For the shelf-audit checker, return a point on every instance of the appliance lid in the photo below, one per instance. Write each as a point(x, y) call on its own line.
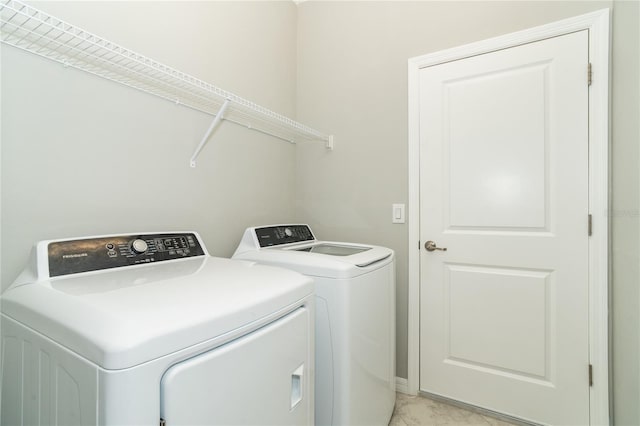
point(333, 249)
point(122, 317)
point(346, 260)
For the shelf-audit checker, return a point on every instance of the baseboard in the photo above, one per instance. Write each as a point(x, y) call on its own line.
point(402, 385)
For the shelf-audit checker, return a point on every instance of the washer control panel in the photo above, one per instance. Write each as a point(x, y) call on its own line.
point(92, 254)
point(283, 234)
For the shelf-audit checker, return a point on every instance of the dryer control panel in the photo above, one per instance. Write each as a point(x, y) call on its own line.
point(283, 234)
point(92, 254)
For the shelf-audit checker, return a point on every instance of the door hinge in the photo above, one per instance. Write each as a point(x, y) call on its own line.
point(590, 375)
point(590, 225)
point(163, 422)
point(589, 74)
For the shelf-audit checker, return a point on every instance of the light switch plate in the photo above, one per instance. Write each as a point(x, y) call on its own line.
point(397, 213)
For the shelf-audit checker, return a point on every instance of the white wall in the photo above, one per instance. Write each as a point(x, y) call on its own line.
point(625, 212)
point(352, 81)
point(82, 155)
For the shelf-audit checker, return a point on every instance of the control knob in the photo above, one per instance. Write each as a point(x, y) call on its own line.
point(139, 246)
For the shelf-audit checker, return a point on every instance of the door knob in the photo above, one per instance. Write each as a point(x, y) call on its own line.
point(431, 246)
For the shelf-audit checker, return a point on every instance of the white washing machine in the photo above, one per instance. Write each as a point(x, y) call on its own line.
point(149, 329)
point(355, 318)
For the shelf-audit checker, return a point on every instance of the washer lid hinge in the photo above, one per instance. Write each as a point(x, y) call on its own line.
point(590, 225)
point(589, 74)
point(163, 422)
point(590, 375)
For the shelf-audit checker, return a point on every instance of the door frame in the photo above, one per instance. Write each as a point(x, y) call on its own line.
point(598, 25)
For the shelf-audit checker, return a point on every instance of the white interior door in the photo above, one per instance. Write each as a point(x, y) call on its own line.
point(504, 311)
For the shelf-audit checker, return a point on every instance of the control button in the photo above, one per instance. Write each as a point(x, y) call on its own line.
point(288, 232)
point(112, 253)
point(139, 246)
point(110, 246)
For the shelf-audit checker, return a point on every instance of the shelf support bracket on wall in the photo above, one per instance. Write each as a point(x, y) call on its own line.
point(216, 121)
point(329, 143)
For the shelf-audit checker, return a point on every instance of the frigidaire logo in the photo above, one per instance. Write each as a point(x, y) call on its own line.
point(69, 256)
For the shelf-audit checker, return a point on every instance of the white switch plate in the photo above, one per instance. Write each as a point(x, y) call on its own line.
point(397, 213)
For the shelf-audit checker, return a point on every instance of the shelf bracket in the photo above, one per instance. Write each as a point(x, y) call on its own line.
point(329, 143)
point(216, 121)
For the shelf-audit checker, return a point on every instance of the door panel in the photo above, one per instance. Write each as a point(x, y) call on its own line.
point(480, 338)
point(504, 187)
point(509, 186)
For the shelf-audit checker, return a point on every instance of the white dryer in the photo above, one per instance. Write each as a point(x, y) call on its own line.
point(149, 329)
point(355, 318)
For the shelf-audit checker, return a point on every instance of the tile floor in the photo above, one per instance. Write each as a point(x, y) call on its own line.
point(417, 410)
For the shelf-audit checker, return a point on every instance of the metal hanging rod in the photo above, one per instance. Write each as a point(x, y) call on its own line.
point(35, 31)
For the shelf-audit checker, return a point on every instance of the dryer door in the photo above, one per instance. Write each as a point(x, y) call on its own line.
point(262, 378)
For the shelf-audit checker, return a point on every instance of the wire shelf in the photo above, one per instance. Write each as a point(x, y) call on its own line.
point(35, 31)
